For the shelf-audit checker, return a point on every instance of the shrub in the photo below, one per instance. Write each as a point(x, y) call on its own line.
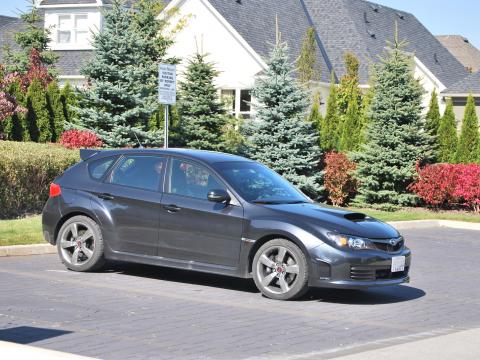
point(74, 139)
point(26, 171)
point(449, 185)
point(339, 181)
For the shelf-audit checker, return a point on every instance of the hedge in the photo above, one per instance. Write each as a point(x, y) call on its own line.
point(26, 171)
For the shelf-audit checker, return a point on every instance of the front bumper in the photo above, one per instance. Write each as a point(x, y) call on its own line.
point(349, 269)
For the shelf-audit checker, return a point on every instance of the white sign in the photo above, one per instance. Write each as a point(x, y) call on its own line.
point(167, 84)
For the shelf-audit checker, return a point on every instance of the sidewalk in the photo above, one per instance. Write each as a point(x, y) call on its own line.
point(463, 345)
point(10, 350)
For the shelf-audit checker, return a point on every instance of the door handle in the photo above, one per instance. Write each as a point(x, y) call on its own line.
point(172, 208)
point(106, 196)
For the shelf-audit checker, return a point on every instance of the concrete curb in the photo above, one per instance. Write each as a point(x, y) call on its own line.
point(23, 250)
point(17, 351)
point(423, 224)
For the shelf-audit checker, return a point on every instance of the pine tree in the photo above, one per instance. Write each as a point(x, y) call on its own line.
point(202, 115)
point(315, 117)
point(330, 129)
point(38, 118)
point(432, 123)
point(279, 136)
point(119, 101)
point(468, 143)
point(69, 101)
point(395, 138)
point(352, 125)
point(307, 62)
point(34, 36)
point(55, 110)
point(447, 136)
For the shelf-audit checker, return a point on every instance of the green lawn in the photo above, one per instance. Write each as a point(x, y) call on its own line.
point(21, 231)
point(421, 214)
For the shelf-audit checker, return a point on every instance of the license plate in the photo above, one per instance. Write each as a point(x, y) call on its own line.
point(398, 263)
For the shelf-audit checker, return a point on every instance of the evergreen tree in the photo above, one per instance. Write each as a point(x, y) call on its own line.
point(307, 62)
point(315, 117)
point(38, 118)
point(13, 126)
point(330, 129)
point(279, 136)
point(352, 125)
point(55, 110)
point(348, 87)
point(34, 36)
point(433, 115)
point(119, 101)
point(69, 100)
point(447, 136)
point(202, 115)
point(395, 137)
point(468, 143)
point(365, 112)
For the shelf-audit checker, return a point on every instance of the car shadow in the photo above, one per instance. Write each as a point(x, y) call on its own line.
point(29, 334)
point(383, 295)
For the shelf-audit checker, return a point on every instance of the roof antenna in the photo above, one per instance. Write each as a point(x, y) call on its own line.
point(140, 146)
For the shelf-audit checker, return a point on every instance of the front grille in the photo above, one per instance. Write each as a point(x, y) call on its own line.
point(385, 245)
point(366, 273)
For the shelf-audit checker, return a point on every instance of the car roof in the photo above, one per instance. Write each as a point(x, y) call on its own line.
point(209, 157)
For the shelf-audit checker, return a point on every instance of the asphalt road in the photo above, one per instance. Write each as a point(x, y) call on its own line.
point(142, 312)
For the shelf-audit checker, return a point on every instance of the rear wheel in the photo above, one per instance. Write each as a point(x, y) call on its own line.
point(280, 270)
point(80, 244)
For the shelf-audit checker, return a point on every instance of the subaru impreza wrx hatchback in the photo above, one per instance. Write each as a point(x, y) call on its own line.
point(215, 213)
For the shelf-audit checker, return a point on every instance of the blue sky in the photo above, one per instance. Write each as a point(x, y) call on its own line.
point(441, 17)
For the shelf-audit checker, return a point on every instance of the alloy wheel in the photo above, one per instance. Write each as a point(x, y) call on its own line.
point(77, 243)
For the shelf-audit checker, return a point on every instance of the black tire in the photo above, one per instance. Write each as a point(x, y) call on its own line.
point(296, 283)
point(80, 254)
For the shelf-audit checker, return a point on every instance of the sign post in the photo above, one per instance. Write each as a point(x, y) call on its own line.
point(167, 92)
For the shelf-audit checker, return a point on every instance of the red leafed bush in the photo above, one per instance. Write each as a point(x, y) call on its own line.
point(36, 70)
point(339, 181)
point(449, 185)
point(74, 139)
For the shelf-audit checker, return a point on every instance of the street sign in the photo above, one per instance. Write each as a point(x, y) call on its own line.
point(167, 84)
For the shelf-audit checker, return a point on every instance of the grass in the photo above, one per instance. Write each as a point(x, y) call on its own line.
point(407, 214)
point(21, 232)
point(29, 230)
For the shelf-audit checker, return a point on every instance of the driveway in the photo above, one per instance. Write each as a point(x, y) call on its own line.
point(140, 312)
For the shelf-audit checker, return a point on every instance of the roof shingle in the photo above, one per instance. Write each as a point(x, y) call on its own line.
point(468, 85)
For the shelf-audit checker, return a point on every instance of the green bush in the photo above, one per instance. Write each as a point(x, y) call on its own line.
point(26, 171)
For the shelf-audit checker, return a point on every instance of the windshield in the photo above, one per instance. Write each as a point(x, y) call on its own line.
point(257, 183)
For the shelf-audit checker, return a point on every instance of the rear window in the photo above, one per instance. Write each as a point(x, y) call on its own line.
point(98, 168)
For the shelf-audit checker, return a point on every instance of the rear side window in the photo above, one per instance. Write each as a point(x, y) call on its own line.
point(98, 168)
point(141, 172)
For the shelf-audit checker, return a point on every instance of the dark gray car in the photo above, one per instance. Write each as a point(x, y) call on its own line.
point(215, 213)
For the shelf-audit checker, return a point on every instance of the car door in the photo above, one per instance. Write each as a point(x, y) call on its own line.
point(129, 204)
point(193, 228)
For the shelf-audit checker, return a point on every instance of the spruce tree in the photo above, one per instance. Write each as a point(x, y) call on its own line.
point(468, 143)
point(55, 110)
point(69, 101)
point(202, 114)
point(34, 36)
point(447, 136)
point(432, 118)
point(279, 137)
point(396, 139)
point(307, 62)
point(37, 117)
point(330, 129)
point(118, 102)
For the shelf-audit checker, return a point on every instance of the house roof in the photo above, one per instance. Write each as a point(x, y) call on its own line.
point(71, 61)
point(463, 50)
point(468, 85)
point(8, 27)
point(64, 2)
point(364, 28)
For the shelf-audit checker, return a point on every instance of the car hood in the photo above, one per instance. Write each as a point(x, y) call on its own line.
point(335, 219)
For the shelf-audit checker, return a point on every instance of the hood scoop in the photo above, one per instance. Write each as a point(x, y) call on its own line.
point(353, 216)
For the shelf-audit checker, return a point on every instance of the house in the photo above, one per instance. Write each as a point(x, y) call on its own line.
point(463, 50)
point(238, 34)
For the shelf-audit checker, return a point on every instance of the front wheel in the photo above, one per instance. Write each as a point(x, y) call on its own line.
point(80, 244)
point(280, 270)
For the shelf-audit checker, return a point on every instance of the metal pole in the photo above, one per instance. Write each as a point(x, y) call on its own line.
point(165, 141)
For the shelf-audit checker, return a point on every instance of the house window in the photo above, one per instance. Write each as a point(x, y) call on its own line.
point(73, 29)
point(237, 101)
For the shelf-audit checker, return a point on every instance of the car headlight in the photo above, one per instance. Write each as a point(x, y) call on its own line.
point(352, 242)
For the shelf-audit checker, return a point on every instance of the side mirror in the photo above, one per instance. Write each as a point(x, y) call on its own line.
point(218, 196)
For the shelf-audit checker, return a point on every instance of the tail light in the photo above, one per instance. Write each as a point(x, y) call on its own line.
point(55, 190)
